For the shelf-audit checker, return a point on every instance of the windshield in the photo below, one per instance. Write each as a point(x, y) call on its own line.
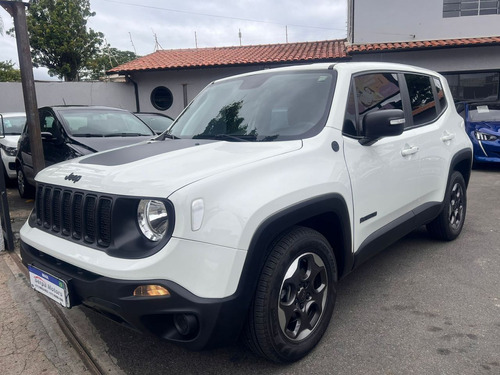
point(158, 123)
point(14, 125)
point(103, 123)
point(484, 112)
point(260, 107)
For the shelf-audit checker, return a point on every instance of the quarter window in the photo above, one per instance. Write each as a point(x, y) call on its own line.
point(423, 105)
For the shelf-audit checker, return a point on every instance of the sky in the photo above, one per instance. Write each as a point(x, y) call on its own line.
point(142, 26)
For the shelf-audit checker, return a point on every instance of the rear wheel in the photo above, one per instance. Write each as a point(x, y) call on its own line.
point(295, 297)
point(448, 225)
point(26, 190)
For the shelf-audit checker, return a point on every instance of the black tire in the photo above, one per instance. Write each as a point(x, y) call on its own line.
point(295, 297)
point(25, 189)
point(448, 225)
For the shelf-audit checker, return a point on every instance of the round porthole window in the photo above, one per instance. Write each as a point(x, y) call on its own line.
point(162, 98)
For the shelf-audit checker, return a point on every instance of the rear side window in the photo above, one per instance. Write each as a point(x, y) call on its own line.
point(423, 105)
point(369, 93)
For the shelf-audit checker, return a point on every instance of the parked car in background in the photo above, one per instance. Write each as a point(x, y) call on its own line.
point(156, 121)
point(72, 131)
point(482, 124)
point(11, 127)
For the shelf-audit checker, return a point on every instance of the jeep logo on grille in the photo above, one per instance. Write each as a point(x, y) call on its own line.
point(73, 177)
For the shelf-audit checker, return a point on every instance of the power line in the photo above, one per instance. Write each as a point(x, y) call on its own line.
point(219, 16)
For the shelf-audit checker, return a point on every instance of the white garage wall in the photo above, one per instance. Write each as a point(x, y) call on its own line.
point(113, 94)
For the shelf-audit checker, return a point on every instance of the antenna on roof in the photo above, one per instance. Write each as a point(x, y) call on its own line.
point(286, 33)
point(132, 42)
point(239, 35)
point(195, 40)
point(157, 44)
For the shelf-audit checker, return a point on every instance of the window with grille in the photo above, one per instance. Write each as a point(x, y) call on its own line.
point(461, 8)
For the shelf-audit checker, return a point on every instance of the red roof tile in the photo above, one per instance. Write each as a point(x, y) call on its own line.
point(443, 43)
point(244, 55)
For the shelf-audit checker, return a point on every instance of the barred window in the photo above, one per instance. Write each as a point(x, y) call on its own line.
point(461, 8)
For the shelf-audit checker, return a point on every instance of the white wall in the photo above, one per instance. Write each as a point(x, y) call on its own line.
point(408, 20)
point(113, 94)
point(442, 60)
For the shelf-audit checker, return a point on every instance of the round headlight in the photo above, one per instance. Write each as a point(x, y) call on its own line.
point(153, 219)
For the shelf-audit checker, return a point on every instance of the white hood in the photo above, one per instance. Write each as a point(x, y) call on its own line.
point(158, 168)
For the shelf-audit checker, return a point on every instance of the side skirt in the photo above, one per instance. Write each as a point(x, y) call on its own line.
point(395, 230)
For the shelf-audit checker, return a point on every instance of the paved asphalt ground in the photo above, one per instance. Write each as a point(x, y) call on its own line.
point(420, 307)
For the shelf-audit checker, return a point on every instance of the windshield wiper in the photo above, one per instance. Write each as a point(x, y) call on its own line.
point(167, 135)
point(88, 135)
point(228, 137)
point(126, 135)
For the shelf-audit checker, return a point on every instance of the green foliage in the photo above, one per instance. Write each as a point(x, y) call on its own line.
point(59, 37)
point(8, 73)
point(108, 58)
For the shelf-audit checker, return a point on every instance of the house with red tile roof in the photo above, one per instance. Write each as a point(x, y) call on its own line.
point(442, 35)
point(167, 80)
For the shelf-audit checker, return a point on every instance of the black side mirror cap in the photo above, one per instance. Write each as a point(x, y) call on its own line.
point(382, 123)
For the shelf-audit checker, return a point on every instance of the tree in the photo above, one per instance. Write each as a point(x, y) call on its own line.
point(59, 36)
point(8, 73)
point(108, 58)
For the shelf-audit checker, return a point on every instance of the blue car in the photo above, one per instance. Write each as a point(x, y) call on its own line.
point(482, 124)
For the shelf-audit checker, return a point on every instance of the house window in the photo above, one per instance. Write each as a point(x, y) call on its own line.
point(162, 98)
point(474, 86)
point(461, 8)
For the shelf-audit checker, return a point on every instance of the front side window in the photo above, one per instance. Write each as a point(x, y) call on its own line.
point(260, 107)
point(423, 105)
point(369, 93)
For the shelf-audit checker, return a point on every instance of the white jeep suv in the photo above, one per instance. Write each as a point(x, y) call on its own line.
point(268, 188)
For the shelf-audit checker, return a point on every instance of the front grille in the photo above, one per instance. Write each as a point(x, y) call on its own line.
point(79, 216)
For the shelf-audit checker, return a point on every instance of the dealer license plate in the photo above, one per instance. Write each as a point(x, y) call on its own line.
point(51, 286)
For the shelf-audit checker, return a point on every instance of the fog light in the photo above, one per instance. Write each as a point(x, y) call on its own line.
point(151, 291)
point(186, 324)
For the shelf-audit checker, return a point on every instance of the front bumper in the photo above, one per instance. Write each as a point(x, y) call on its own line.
point(9, 163)
point(211, 322)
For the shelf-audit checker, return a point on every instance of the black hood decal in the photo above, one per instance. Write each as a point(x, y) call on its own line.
point(141, 151)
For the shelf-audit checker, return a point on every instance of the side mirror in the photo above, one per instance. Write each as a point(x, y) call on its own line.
point(2, 135)
point(47, 136)
point(382, 123)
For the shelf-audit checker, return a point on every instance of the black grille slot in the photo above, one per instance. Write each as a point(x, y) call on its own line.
point(77, 216)
point(104, 216)
point(66, 213)
point(56, 210)
point(90, 219)
point(46, 208)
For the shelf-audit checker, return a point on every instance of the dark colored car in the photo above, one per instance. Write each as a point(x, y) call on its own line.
point(482, 124)
point(156, 121)
point(72, 131)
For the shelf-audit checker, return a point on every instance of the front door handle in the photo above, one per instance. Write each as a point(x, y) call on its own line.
point(409, 150)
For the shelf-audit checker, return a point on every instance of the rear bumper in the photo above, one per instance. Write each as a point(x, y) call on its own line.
point(207, 322)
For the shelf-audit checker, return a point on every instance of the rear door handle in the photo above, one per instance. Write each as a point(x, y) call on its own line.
point(447, 137)
point(409, 150)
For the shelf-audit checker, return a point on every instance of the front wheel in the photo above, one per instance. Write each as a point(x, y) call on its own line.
point(23, 186)
point(295, 297)
point(448, 225)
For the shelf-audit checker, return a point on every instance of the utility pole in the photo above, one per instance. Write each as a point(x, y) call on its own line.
point(17, 10)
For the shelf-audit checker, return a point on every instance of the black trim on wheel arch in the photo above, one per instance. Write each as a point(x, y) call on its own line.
point(461, 162)
point(330, 206)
